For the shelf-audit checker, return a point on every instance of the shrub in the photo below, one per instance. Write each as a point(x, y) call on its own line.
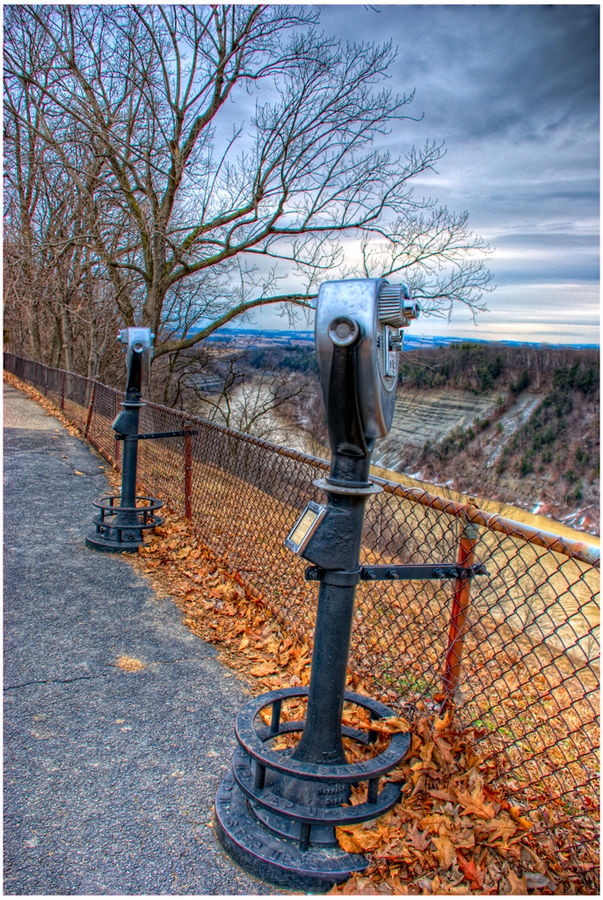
point(522, 382)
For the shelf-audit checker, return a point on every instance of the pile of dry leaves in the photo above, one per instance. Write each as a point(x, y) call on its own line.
point(453, 831)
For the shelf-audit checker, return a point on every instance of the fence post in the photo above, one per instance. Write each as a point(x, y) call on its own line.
point(116, 442)
point(460, 603)
point(90, 408)
point(188, 460)
point(62, 391)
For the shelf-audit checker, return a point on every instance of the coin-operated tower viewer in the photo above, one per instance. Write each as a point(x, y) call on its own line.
point(276, 811)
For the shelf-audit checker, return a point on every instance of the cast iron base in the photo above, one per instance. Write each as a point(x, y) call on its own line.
point(102, 544)
point(276, 859)
point(276, 816)
point(119, 529)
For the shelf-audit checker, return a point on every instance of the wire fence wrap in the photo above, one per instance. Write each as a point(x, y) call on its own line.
point(516, 652)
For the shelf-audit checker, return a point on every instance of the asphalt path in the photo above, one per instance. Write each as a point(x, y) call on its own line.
point(109, 774)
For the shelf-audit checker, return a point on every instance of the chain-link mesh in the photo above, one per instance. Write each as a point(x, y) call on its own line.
point(516, 651)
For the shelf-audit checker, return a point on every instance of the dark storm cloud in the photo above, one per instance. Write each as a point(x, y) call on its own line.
point(513, 91)
point(518, 71)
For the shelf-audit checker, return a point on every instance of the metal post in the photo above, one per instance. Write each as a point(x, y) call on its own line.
point(127, 516)
point(90, 409)
point(460, 604)
point(62, 391)
point(188, 464)
point(128, 474)
point(321, 739)
point(116, 442)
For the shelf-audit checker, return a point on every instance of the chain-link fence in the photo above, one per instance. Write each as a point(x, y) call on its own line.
point(514, 652)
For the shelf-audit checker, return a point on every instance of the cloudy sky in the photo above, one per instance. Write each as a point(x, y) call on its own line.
point(513, 91)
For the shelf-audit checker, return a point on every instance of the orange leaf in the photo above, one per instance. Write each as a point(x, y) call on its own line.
point(503, 828)
point(445, 851)
point(426, 752)
point(441, 724)
point(390, 725)
point(525, 823)
point(266, 668)
point(362, 836)
point(446, 796)
point(346, 841)
point(517, 885)
point(444, 750)
point(475, 803)
point(469, 870)
point(418, 839)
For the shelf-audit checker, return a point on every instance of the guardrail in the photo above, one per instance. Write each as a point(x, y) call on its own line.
point(516, 654)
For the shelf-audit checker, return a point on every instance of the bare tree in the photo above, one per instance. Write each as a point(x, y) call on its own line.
point(192, 221)
point(54, 286)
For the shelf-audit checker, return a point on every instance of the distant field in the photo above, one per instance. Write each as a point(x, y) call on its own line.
point(502, 509)
point(565, 605)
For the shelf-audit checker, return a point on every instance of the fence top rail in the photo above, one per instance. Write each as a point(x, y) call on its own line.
point(566, 546)
point(469, 513)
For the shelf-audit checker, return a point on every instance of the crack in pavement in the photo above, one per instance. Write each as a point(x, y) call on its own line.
point(166, 662)
point(14, 687)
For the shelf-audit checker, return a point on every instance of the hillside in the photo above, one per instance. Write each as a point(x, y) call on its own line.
point(518, 425)
point(514, 423)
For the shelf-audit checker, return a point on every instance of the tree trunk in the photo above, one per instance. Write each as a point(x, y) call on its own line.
point(67, 335)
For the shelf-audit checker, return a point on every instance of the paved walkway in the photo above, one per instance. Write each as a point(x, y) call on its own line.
point(109, 775)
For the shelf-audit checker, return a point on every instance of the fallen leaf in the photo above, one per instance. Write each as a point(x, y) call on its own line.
point(469, 870)
point(390, 725)
point(517, 885)
point(441, 724)
point(346, 841)
point(475, 803)
point(444, 749)
point(266, 668)
point(445, 851)
point(525, 823)
point(420, 840)
point(446, 796)
point(503, 829)
point(129, 664)
point(426, 751)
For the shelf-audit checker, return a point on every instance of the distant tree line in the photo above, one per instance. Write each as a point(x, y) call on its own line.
point(475, 367)
point(279, 359)
point(488, 366)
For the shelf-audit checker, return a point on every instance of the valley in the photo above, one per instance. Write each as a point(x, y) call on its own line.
point(515, 426)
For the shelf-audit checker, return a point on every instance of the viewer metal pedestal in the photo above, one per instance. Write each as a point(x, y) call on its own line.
point(122, 519)
point(276, 811)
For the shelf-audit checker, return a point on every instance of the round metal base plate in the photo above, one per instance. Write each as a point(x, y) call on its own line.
point(275, 859)
point(94, 541)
